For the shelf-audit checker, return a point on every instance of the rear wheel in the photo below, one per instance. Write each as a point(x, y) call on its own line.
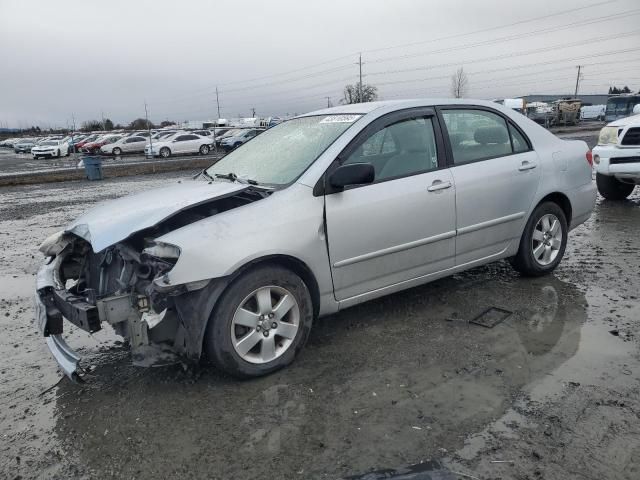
point(613, 189)
point(260, 323)
point(165, 152)
point(204, 149)
point(543, 241)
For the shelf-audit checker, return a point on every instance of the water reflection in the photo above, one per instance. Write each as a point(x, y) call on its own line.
point(386, 383)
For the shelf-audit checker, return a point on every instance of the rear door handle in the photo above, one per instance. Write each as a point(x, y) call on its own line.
point(439, 185)
point(526, 165)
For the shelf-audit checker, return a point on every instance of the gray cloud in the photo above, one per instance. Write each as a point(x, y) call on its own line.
point(85, 58)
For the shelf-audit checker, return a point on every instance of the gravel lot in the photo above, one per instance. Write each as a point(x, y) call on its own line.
point(552, 392)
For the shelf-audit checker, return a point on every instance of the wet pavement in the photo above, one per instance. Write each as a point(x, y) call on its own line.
point(401, 382)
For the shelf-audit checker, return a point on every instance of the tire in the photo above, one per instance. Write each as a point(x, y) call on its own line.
point(236, 145)
point(117, 151)
point(613, 189)
point(204, 149)
point(58, 154)
point(534, 239)
point(223, 332)
point(165, 152)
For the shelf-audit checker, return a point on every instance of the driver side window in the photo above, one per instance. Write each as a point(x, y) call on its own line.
point(398, 150)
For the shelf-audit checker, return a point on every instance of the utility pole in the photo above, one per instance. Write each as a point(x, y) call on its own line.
point(328, 102)
point(146, 116)
point(360, 84)
point(102, 115)
point(218, 102)
point(253, 113)
point(73, 120)
point(577, 81)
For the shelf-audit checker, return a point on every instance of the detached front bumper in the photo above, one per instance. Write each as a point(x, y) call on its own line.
point(48, 321)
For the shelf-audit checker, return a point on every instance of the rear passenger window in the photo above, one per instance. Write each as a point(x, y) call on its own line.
point(477, 135)
point(519, 143)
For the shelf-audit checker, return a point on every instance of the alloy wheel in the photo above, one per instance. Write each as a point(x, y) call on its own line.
point(265, 324)
point(546, 239)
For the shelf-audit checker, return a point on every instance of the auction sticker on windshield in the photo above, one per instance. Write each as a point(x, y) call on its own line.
point(340, 119)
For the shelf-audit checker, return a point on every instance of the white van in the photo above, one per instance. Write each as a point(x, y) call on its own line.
point(593, 112)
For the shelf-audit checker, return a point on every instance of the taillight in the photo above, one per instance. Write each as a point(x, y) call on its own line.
point(590, 158)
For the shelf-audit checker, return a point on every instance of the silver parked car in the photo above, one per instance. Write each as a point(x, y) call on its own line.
point(322, 212)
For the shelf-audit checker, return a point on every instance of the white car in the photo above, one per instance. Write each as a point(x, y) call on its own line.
point(178, 144)
point(50, 148)
point(617, 157)
point(125, 145)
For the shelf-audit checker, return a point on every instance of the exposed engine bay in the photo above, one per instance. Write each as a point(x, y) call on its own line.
point(124, 285)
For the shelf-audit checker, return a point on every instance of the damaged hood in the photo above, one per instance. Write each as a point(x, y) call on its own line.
point(113, 221)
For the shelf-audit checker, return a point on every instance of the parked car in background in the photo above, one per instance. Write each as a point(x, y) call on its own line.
point(24, 145)
point(320, 213)
point(617, 157)
point(593, 112)
point(50, 148)
point(96, 145)
point(88, 139)
point(131, 144)
point(178, 144)
point(234, 141)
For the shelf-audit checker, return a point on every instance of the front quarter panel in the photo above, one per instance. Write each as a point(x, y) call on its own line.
point(289, 222)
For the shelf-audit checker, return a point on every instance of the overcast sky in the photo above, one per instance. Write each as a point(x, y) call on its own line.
point(89, 58)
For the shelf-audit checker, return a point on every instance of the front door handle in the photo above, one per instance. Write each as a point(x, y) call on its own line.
point(439, 185)
point(527, 165)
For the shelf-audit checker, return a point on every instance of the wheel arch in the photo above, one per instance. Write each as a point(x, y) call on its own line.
point(289, 262)
point(561, 200)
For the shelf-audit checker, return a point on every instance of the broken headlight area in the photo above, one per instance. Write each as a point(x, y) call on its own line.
point(122, 286)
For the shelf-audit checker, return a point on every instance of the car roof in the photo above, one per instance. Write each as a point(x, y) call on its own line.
point(364, 108)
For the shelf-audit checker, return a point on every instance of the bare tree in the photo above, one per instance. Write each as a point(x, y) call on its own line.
point(91, 125)
point(355, 94)
point(459, 83)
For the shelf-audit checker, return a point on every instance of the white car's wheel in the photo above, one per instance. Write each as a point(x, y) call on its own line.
point(204, 149)
point(117, 151)
point(165, 152)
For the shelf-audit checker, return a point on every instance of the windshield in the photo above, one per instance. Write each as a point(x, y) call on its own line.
point(50, 143)
point(282, 153)
point(619, 106)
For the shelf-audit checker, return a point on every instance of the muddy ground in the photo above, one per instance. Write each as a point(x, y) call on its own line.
point(551, 392)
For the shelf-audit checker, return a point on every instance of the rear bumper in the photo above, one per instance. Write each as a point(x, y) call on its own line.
point(583, 200)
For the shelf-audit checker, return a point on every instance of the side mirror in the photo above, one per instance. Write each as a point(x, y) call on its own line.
point(352, 174)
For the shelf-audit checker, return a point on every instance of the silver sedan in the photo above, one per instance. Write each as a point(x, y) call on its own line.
point(320, 213)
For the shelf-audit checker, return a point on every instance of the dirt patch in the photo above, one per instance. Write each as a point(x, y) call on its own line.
point(392, 383)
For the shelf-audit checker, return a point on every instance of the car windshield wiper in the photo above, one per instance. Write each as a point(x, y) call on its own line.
point(205, 174)
point(234, 178)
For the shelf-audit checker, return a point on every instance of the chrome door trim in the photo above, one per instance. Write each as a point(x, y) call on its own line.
point(394, 249)
point(396, 287)
point(490, 223)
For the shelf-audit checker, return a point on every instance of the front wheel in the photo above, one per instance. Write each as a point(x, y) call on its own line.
point(613, 189)
point(543, 241)
point(165, 152)
point(204, 149)
point(58, 154)
point(260, 323)
point(116, 151)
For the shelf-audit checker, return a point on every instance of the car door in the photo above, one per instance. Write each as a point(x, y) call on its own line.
point(179, 144)
point(402, 226)
point(496, 173)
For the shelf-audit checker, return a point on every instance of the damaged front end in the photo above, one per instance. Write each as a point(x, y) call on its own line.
point(125, 285)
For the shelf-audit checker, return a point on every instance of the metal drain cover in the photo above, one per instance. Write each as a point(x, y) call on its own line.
point(491, 317)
